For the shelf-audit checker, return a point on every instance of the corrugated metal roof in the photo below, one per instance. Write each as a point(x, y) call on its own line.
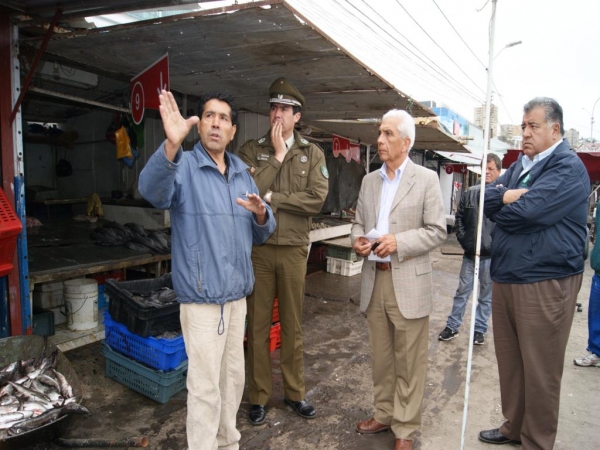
point(242, 53)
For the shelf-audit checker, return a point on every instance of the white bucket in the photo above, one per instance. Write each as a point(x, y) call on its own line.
point(81, 303)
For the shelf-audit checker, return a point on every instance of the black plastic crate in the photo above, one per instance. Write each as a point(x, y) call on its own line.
point(144, 321)
point(43, 322)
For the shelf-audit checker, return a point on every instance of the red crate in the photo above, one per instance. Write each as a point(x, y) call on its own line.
point(275, 317)
point(275, 337)
point(317, 254)
point(114, 274)
point(10, 227)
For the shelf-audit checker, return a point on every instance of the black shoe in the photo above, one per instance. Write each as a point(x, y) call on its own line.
point(494, 437)
point(302, 408)
point(448, 334)
point(257, 414)
point(478, 338)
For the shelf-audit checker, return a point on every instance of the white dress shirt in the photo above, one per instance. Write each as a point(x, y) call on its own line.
point(388, 193)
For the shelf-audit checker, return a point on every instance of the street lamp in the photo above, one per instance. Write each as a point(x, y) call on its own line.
point(510, 44)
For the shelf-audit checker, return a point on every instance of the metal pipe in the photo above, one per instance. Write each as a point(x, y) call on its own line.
point(141, 441)
point(79, 99)
point(35, 63)
point(475, 291)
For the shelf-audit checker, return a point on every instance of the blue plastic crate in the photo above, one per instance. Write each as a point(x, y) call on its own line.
point(102, 303)
point(161, 354)
point(155, 384)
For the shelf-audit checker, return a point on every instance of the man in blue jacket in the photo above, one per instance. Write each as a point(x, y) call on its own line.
point(216, 216)
point(467, 219)
point(540, 209)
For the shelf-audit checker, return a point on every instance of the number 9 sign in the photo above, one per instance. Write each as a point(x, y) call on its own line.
point(137, 103)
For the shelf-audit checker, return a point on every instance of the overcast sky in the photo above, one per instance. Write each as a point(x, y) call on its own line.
point(413, 45)
point(425, 58)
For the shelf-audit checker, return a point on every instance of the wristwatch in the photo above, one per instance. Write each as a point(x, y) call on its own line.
point(267, 197)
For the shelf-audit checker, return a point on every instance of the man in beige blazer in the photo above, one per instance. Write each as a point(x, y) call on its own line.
point(403, 203)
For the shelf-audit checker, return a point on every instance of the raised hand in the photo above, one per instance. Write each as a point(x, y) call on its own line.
point(176, 127)
point(277, 140)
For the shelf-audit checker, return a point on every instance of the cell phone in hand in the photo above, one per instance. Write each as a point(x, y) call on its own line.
point(375, 245)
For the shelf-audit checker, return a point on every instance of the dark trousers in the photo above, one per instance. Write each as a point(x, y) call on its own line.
point(532, 323)
point(279, 270)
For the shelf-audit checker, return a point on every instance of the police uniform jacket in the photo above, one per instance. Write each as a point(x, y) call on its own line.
point(299, 185)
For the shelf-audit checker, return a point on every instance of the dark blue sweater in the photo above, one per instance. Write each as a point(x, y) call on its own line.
point(541, 236)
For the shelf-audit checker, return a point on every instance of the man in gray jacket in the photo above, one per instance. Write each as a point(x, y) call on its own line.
point(467, 219)
point(216, 216)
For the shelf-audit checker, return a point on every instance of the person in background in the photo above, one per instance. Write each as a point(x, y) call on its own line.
point(292, 178)
point(403, 203)
point(216, 216)
point(466, 221)
point(540, 207)
point(592, 359)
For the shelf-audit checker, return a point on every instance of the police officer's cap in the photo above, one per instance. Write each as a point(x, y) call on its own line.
point(284, 92)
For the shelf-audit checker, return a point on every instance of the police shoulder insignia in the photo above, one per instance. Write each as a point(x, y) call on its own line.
point(261, 140)
point(325, 172)
point(304, 141)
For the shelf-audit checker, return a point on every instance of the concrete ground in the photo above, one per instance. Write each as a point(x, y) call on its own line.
point(338, 381)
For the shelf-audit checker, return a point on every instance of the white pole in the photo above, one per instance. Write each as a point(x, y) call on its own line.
point(475, 294)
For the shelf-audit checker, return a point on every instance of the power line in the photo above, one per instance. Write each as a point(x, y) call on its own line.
point(502, 101)
point(458, 34)
point(437, 68)
point(444, 82)
point(438, 45)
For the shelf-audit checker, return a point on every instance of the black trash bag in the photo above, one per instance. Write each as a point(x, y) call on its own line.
point(64, 168)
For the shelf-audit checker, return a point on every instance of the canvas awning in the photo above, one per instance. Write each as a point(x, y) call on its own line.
point(238, 52)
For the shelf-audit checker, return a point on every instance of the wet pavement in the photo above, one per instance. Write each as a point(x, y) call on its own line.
point(338, 382)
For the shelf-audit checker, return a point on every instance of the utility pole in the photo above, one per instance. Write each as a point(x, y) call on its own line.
point(486, 145)
point(592, 121)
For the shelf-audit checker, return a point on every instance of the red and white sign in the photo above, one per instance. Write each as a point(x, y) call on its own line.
point(146, 87)
point(459, 168)
point(348, 149)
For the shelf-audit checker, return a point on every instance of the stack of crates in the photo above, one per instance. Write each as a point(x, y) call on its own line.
point(343, 261)
point(275, 333)
point(154, 367)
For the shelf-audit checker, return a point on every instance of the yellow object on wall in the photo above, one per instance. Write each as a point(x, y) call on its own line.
point(123, 147)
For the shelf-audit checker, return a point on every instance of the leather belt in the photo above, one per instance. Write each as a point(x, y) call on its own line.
point(383, 266)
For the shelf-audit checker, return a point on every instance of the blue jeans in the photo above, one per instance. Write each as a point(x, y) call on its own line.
point(594, 317)
point(465, 287)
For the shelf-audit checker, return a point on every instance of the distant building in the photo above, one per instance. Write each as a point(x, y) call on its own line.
point(511, 134)
point(429, 104)
point(454, 123)
point(479, 119)
point(510, 131)
point(572, 135)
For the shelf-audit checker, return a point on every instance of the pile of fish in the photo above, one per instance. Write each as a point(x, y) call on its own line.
point(32, 394)
point(133, 236)
point(157, 298)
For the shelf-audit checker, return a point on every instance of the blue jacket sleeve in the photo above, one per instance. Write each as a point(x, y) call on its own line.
point(551, 198)
point(157, 180)
point(494, 194)
point(260, 233)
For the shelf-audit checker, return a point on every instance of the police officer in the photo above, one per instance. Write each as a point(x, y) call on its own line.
point(291, 175)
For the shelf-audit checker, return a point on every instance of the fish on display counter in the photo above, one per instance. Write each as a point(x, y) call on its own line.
point(33, 393)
